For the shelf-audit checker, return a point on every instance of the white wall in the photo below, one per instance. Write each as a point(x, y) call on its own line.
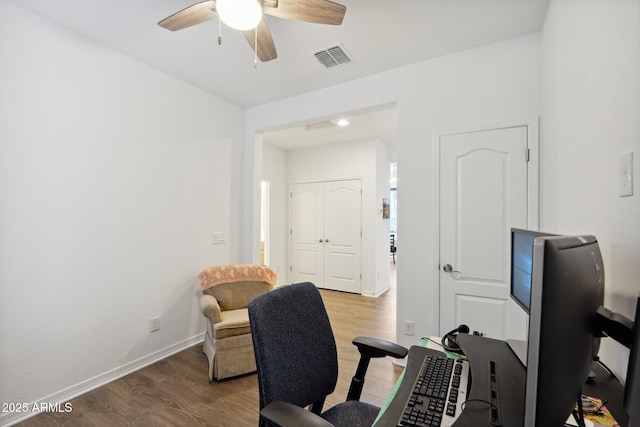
point(274, 170)
point(352, 160)
point(498, 82)
point(113, 178)
point(590, 118)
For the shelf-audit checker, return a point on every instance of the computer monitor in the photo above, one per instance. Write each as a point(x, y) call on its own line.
point(521, 265)
point(521, 268)
point(632, 382)
point(566, 290)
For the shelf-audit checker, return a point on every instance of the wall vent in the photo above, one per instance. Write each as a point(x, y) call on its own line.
point(333, 56)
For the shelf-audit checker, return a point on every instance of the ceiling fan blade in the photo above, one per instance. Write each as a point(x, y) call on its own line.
point(189, 16)
point(266, 49)
point(316, 11)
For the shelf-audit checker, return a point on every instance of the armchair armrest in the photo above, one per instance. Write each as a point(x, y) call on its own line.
point(371, 348)
point(210, 308)
point(283, 414)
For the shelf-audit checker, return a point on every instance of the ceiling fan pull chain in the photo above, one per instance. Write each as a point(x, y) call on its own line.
point(219, 32)
point(255, 51)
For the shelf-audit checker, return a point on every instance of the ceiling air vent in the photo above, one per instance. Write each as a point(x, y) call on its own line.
point(319, 125)
point(330, 57)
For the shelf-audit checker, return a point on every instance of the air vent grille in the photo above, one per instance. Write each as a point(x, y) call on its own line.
point(330, 57)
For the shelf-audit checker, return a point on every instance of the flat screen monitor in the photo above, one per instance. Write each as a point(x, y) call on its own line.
point(632, 382)
point(521, 269)
point(566, 290)
point(521, 265)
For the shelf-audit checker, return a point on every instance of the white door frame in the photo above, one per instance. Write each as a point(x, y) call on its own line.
point(265, 199)
point(533, 143)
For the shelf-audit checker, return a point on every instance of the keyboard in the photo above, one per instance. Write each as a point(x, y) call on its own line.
point(438, 391)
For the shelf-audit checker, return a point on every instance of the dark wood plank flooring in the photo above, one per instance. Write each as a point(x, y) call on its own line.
point(176, 390)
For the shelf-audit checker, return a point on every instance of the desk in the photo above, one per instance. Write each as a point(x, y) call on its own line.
point(605, 387)
point(511, 377)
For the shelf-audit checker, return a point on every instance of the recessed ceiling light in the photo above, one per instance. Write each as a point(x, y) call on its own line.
point(342, 122)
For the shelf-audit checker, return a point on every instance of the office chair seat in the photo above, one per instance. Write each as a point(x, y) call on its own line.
point(352, 413)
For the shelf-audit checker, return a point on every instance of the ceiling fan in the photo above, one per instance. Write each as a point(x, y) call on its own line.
point(256, 31)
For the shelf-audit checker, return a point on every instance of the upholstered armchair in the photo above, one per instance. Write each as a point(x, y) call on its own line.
point(226, 293)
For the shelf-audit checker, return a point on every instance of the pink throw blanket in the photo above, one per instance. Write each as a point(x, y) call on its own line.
point(232, 273)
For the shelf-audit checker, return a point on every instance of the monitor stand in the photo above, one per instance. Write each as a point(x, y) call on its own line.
point(519, 347)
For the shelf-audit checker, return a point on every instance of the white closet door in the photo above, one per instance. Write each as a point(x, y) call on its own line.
point(343, 236)
point(307, 235)
point(326, 234)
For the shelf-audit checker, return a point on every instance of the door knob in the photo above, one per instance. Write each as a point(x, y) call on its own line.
point(448, 268)
point(326, 240)
point(320, 240)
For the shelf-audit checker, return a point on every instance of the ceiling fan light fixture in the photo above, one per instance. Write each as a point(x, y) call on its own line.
point(241, 15)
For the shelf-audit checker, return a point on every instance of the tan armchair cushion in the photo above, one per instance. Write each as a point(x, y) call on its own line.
point(232, 323)
point(232, 296)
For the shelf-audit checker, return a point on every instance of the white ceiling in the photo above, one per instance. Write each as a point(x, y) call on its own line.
point(380, 123)
point(379, 34)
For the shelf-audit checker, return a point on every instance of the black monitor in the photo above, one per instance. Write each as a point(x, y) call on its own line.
point(521, 265)
point(632, 382)
point(521, 269)
point(566, 291)
point(627, 333)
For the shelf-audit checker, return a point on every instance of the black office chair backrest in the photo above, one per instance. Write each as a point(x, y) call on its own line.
point(295, 349)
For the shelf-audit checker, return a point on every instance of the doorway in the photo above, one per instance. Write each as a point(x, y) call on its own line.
point(264, 223)
point(319, 150)
point(393, 218)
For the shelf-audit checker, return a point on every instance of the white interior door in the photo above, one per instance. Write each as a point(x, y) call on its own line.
point(307, 232)
point(326, 234)
point(483, 193)
point(343, 235)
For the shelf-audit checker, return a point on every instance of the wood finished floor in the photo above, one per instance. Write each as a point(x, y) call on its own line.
point(176, 390)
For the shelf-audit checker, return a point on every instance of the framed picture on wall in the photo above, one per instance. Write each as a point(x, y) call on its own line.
point(386, 208)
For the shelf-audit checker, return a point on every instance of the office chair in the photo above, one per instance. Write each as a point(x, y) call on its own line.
point(297, 361)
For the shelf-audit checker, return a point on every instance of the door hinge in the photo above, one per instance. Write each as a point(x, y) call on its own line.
point(360, 276)
point(527, 155)
point(291, 231)
point(291, 195)
point(290, 268)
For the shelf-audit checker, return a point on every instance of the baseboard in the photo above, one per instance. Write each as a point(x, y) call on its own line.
point(56, 400)
point(378, 293)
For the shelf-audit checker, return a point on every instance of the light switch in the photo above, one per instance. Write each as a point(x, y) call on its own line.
point(219, 238)
point(625, 175)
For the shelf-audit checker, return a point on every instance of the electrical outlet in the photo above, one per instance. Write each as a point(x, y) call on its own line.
point(219, 238)
point(408, 327)
point(155, 324)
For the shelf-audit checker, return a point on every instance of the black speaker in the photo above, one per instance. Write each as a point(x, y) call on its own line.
point(449, 340)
